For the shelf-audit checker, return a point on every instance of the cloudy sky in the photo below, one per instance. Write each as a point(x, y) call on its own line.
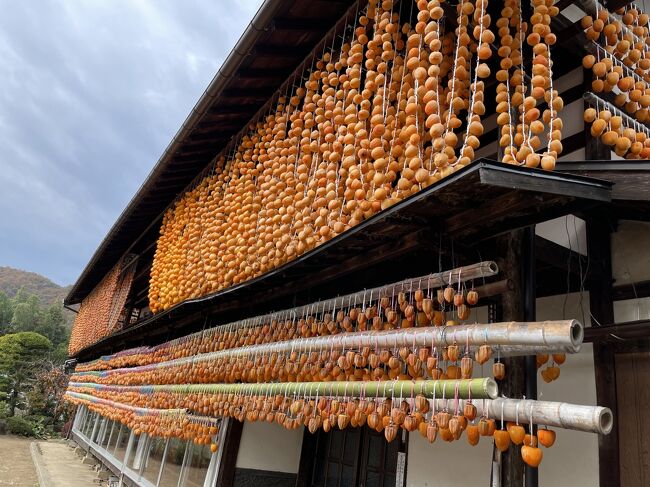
point(91, 93)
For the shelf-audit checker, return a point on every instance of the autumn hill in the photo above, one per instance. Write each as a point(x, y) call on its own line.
point(48, 292)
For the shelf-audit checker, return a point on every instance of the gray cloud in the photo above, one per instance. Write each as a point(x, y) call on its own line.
point(91, 93)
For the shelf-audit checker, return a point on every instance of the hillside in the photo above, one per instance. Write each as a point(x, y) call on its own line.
point(48, 292)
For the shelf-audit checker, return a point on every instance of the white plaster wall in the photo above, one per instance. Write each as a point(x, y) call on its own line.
point(568, 231)
point(632, 310)
point(444, 464)
point(630, 254)
point(268, 446)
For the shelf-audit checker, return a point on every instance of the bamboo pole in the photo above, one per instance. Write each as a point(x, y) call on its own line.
point(577, 417)
point(508, 339)
point(483, 388)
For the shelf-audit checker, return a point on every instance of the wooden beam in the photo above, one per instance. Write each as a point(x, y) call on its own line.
point(233, 109)
point(602, 311)
point(262, 93)
point(558, 256)
point(262, 73)
point(281, 51)
point(303, 24)
point(637, 290)
point(616, 332)
point(613, 5)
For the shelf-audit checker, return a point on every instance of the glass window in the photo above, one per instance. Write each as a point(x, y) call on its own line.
point(121, 442)
point(197, 465)
point(90, 422)
point(108, 430)
point(153, 459)
point(136, 455)
point(99, 431)
point(173, 462)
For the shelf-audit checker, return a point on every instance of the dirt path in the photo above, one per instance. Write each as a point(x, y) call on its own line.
point(61, 467)
point(16, 466)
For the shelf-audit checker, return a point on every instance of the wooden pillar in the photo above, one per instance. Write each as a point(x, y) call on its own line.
point(528, 272)
point(509, 251)
point(307, 458)
point(602, 312)
point(226, 474)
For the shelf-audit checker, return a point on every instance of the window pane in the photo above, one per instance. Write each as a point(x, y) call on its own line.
point(173, 463)
point(88, 426)
point(198, 465)
point(153, 459)
point(121, 443)
point(103, 441)
point(133, 456)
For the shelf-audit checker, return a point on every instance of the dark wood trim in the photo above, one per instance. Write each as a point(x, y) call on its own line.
point(307, 458)
point(252, 477)
point(637, 290)
point(616, 4)
point(602, 311)
point(618, 331)
point(226, 474)
point(509, 249)
point(528, 271)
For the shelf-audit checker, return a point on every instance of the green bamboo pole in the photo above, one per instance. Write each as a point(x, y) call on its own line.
point(483, 388)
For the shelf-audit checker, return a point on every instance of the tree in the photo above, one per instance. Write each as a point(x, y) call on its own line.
point(54, 325)
point(46, 395)
point(6, 314)
point(27, 314)
point(22, 356)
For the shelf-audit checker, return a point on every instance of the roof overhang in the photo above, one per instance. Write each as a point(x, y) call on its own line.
point(274, 46)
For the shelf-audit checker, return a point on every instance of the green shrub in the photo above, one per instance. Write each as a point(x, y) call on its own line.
point(18, 426)
point(38, 419)
point(3, 427)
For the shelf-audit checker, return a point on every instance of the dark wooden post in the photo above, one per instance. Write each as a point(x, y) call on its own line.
point(226, 474)
point(602, 312)
point(307, 458)
point(528, 271)
point(509, 250)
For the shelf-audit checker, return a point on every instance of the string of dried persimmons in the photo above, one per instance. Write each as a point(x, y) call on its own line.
point(391, 110)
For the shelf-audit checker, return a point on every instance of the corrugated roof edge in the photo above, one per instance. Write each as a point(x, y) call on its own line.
point(264, 15)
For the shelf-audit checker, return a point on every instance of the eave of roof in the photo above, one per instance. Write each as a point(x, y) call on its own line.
point(273, 45)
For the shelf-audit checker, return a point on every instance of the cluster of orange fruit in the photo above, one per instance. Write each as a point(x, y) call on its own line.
point(393, 109)
point(155, 422)
point(386, 415)
point(100, 310)
point(620, 67)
